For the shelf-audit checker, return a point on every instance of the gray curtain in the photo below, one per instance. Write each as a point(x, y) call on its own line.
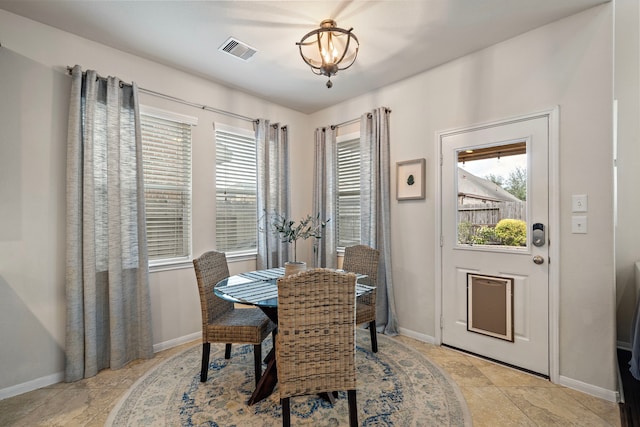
point(107, 278)
point(375, 196)
point(273, 191)
point(325, 195)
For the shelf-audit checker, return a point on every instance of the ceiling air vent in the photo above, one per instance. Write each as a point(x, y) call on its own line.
point(238, 49)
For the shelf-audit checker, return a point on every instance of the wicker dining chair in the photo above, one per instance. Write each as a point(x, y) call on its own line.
point(221, 321)
point(315, 343)
point(364, 260)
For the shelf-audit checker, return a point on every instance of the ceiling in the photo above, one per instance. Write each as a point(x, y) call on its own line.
point(398, 38)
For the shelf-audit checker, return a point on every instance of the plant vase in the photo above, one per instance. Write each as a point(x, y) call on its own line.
point(294, 267)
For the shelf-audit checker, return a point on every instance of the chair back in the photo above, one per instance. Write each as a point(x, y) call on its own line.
point(210, 268)
point(364, 260)
point(315, 343)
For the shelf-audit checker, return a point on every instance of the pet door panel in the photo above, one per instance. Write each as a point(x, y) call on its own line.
point(490, 306)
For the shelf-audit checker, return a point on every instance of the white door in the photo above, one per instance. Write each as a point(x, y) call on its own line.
point(495, 281)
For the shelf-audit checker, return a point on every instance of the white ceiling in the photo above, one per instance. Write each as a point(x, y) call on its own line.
point(398, 38)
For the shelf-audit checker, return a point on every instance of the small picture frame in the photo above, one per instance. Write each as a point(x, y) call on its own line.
point(410, 180)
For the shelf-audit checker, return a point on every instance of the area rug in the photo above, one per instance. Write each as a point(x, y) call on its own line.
point(395, 387)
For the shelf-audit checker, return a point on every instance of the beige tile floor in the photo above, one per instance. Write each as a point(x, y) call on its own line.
point(496, 395)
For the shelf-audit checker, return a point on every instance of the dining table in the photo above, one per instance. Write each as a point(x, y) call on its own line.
point(260, 289)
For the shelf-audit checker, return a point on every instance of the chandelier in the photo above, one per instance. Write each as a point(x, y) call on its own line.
point(329, 49)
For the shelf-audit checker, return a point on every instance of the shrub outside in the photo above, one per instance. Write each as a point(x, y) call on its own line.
point(512, 232)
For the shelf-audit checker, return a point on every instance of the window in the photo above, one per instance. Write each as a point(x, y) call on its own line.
point(491, 195)
point(236, 190)
point(348, 206)
point(166, 157)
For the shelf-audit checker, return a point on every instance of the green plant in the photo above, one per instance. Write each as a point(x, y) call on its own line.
point(465, 233)
point(470, 234)
point(485, 236)
point(512, 232)
point(290, 231)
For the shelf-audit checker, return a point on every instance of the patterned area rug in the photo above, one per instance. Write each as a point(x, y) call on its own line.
point(396, 387)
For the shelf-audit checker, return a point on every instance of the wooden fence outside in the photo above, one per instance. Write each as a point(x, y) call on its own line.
point(489, 214)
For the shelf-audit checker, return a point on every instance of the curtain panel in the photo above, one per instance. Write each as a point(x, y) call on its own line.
point(325, 187)
point(273, 191)
point(107, 279)
point(375, 201)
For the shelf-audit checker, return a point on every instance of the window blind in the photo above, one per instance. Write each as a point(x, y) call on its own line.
point(348, 206)
point(236, 190)
point(166, 155)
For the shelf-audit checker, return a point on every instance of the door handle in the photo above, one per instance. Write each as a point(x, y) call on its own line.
point(538, 260)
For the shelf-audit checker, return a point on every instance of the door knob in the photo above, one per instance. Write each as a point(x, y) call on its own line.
point(538, 259)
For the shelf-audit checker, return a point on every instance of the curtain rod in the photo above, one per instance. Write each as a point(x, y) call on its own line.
point(200, 106)
point(189, 103)
point(357, 119)
point(348, 122)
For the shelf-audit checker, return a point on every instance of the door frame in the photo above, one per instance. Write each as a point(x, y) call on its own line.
point(553, 116)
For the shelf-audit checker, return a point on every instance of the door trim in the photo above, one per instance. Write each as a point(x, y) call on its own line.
point(553, 117)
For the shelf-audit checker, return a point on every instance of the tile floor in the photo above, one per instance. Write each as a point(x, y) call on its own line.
point(496, 395)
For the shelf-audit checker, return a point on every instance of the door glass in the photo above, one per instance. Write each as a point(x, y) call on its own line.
point(492, 195)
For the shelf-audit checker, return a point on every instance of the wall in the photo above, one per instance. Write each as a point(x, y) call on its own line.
point(627, 94)
point(34, 92)
point(568, 64)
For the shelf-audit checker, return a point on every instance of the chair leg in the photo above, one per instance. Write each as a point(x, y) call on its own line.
point(227, 351)
point(286, 413)
point(257, 361)
point(353, 408)
point(374, 336)
point(206, 348)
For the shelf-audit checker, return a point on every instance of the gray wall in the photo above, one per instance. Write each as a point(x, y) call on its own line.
point(567, 63)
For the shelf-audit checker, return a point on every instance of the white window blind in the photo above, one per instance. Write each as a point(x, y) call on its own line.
point(236, 190)
point(348, 206)
point(166, 155)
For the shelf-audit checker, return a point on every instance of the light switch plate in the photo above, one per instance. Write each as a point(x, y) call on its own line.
point(579, 224)
point(579, 203)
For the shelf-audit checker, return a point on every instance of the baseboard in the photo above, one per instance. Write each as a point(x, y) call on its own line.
point(416, 335)
point(609, 395)
point(620, 384)
point(623, 345)
point(176, 342)
point(48, 380)
point(34, 384)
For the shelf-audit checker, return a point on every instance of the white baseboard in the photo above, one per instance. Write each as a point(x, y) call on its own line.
point(416, 335)
point(610, 395)
point(48, 380)
point(35, 384)
point(176, 342)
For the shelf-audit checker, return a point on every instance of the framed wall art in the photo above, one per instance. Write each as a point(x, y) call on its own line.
point(410, 180)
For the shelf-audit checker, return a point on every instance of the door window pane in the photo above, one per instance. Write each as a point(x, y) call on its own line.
point(492, 196)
